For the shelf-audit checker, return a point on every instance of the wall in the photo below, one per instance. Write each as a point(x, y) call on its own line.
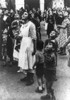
point(32, 3)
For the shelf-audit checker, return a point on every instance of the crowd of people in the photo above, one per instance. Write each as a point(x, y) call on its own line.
point(33, 39)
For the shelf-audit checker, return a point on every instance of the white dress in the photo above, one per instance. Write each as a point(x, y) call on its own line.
point(28, 32)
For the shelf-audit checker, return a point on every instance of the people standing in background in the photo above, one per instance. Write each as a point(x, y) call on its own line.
point(59, 17)
point(50, 21)
point(43, 29)
point(7, 20)
point(10, 37)
point(68, 26)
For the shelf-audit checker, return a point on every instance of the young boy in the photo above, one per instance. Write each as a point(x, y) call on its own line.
point(49, 57)
point(40, 67)
point(52, 39)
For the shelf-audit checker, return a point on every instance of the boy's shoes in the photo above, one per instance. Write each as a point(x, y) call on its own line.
point(53, 98)
point(39, 90)
point(52, 94)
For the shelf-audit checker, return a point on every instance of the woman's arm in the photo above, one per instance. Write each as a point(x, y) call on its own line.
point(62, 26)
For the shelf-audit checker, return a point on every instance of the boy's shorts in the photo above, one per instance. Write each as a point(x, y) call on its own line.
point(50, 75)
point(40, 70)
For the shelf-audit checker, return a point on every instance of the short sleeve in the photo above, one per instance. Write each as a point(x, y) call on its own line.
point(32, 31)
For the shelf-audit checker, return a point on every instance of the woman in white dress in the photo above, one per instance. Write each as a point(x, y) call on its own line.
point(26, 55)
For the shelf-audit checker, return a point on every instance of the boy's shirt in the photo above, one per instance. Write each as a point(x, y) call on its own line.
point(50, 61)
point(39, 57)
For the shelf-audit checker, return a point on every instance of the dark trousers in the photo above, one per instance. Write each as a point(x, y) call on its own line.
point(10, 46)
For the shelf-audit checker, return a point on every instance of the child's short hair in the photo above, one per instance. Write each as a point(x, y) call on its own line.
point(40, 45)
point(49, 47)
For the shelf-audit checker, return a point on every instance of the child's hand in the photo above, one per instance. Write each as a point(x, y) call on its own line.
point(34, 66)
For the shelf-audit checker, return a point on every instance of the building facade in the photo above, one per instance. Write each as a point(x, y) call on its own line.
point(42, 4)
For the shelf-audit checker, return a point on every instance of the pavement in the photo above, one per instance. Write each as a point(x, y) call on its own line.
point(11, 88)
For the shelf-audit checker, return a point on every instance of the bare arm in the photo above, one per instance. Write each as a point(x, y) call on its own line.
point(62, 26)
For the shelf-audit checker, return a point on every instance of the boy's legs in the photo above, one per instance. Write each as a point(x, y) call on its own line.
point(43, 83)
point(48, 95)
point(39, 83)
point(48, 87)
point(50, 90)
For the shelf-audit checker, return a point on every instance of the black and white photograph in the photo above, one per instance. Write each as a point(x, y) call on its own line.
point(34, 49)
